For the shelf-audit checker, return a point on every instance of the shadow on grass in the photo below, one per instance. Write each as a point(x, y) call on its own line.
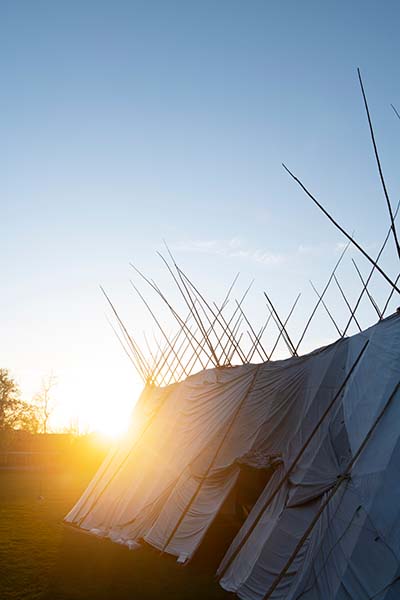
point(44, 560)
point(90, 568)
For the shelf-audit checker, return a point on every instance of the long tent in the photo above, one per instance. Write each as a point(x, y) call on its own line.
point(325, 424)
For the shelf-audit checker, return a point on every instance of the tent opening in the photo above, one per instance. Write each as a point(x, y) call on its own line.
point(231, 516)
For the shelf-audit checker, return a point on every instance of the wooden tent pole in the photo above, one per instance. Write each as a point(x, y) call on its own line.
point(353, 313)
point(395, 111)
point(378, 162)
point(285, 323)
point(347, 302)
point(374, 304)
point(310, 318)
point(326, 308)
point(282, 327)
point(259, 337)
point(349, 237)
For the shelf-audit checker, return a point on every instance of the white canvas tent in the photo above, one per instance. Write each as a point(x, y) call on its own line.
point(325, 426)
point(347, 547)
point(166, 483)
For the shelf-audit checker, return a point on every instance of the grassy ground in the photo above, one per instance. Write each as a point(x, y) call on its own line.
point(42, 559)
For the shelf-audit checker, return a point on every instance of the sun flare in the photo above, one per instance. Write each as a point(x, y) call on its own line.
point(111, 428)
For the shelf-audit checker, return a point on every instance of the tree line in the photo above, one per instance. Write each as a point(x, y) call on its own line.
point(18, 414)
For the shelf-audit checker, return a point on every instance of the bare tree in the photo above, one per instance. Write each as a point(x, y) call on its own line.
point(14, 412)
point(73, 427)
point(44, 401)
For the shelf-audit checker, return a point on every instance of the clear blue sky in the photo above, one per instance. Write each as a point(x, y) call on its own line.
point(123, 123)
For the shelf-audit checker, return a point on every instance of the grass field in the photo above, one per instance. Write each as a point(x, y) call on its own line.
point(42, 559)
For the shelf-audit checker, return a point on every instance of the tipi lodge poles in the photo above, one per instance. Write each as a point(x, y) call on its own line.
point(222, 335)
point(378, 162)
point(365, 286)
point(344, 232)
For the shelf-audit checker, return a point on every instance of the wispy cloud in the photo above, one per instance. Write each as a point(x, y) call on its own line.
point(323, 250)
point(233, 248)
point(340, 246)
point(237, 248)
point(368, 247)
point(308, 249)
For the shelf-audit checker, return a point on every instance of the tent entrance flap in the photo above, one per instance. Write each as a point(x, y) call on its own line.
point(233, 513)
